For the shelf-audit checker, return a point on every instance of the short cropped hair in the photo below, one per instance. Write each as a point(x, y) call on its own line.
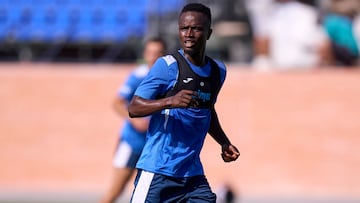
point(197, 7)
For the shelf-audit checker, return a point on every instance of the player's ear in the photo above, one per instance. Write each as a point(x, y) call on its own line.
point(209, 33)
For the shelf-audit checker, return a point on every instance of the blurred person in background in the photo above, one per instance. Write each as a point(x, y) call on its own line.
point(339, 24)
point(293, 37)
point(133, 133)
point(259, 13)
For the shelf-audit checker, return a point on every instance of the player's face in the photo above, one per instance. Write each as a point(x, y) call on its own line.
point(194, 30)
point(152, 51)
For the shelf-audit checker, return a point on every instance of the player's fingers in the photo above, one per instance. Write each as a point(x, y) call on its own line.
point(230, 151)
point(185, 96)
point(227, 158)
point(233, 150)
point(229, 155)
point(187, 92)
point(193, 103)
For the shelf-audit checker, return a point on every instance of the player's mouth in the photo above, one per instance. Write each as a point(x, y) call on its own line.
point(189, 43)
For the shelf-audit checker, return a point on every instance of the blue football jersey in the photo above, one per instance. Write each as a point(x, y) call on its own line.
point(175, 136)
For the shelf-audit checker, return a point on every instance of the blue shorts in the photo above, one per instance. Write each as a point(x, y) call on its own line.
point(125, 156)
point(156, 188)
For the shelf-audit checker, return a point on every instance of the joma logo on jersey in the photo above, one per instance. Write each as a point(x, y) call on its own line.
point(204, 96)
point(187, 80)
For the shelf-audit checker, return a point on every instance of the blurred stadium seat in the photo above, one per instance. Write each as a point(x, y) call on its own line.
point(5, 22)
point(91, 22)
point(77, 20)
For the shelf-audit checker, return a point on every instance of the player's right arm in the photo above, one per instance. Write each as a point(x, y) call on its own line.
point(143, 107)
point(159, 80)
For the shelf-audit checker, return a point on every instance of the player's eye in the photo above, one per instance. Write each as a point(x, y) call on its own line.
point(197, 29)
point(183, 28)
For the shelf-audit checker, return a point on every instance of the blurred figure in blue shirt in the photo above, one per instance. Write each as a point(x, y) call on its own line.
point(133, 133)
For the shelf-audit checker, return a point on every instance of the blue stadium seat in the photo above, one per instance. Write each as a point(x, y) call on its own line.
point(163, 7)
point(10, 23)
point(18, 3)
point(113, 27)
point(4, 23)
point(22, 24)
point(137, 24)
point(73, 20)
point(52, 25)
point(80, 23)
point(101, 25)
point(43, 24)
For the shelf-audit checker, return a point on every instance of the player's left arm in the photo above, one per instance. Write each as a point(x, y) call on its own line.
point(229, 151)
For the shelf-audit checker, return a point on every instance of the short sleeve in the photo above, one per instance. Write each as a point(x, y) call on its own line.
point(156, 82)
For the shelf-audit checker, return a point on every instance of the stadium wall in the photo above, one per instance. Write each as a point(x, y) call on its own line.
point(298, 132)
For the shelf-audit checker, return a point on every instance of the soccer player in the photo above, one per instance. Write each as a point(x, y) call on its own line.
point(179, 93)
point(132, 137)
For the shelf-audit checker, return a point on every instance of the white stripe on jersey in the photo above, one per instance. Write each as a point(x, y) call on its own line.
point(122, 155)
point(169, 59)
point(142, 187)
point(167, 112)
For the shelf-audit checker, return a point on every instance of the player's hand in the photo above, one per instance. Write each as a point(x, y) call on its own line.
point(229, 153)
point(184, 99)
